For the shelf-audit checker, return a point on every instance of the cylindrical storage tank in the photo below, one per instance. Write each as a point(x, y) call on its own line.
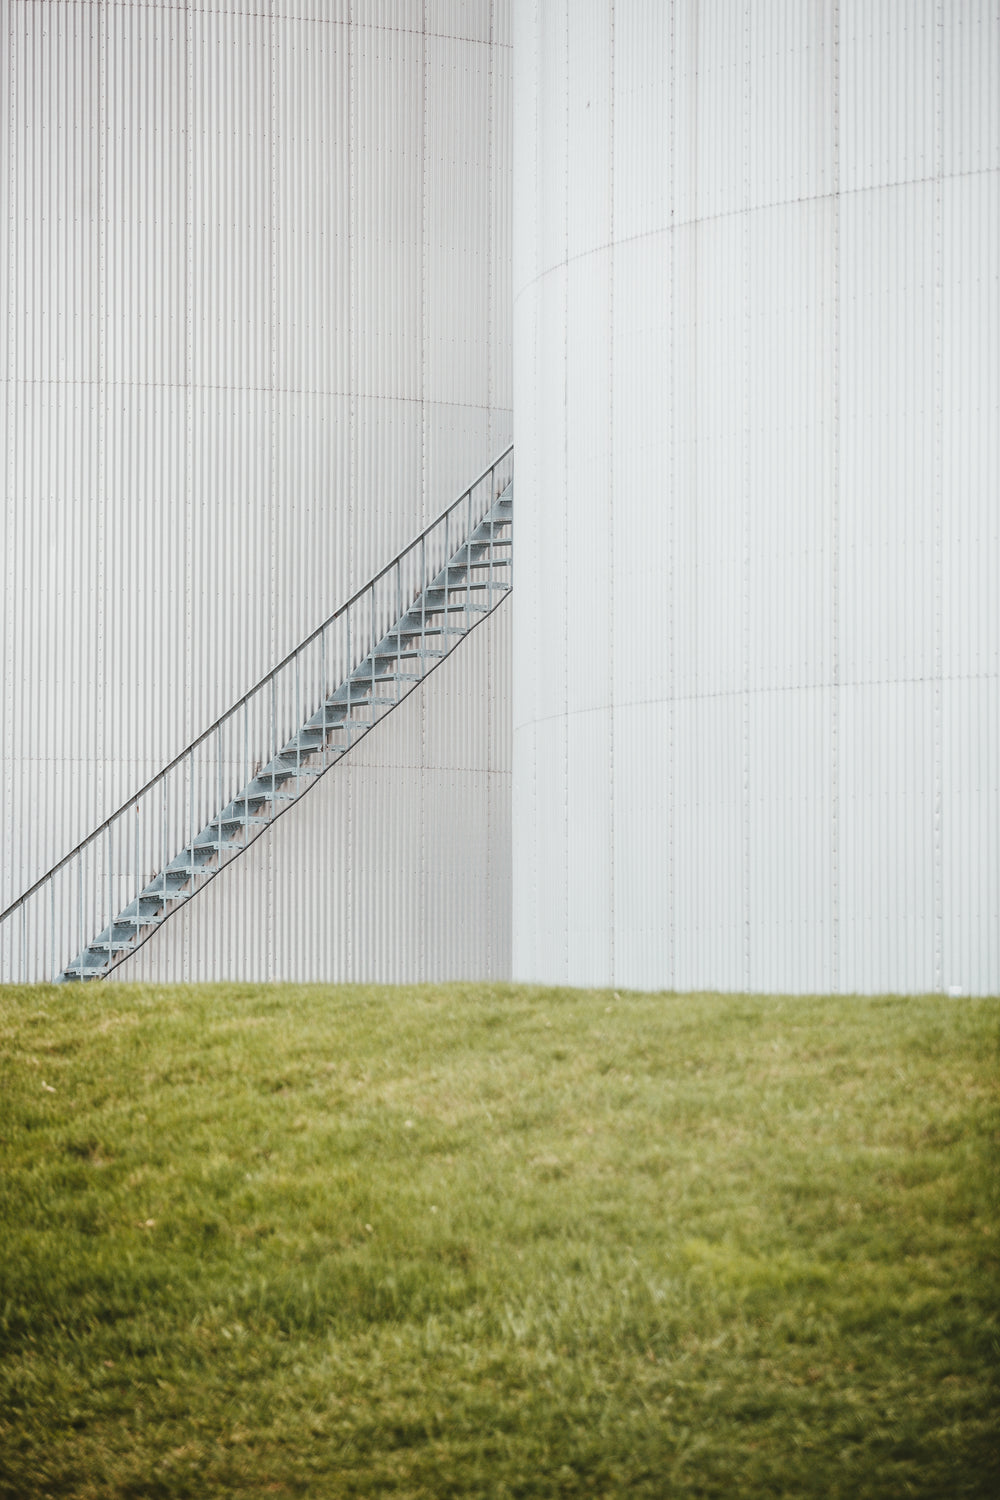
point(254, 282)
point(757, 413)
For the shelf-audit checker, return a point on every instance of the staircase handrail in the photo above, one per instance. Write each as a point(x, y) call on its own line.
point(250, 692)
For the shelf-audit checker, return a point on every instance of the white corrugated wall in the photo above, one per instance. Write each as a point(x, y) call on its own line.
point(757, 406)
point(254, 282)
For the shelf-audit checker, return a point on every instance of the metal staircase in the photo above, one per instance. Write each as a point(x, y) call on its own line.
point(161, 848)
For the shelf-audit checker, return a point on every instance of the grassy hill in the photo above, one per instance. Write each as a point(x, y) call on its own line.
point(493, 1240)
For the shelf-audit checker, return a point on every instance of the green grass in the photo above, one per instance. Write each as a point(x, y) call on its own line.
point(475, 1240)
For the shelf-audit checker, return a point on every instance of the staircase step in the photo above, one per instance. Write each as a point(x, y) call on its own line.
point(365, 700)
point(81, 972)
point(189, 864)
point(458, 572)
point(317, 740)
point(165, 886)
point(98, 955)
point(412, 624)
point(125, 932)
point(142, 908)
point(294, 773)
point(430, 631)
point(436, 590)
point(384, 675)
point(108, 941)
point(491, 530)
point(226, 826)
point(457, 609)
point(408, 654)
point(258, 803)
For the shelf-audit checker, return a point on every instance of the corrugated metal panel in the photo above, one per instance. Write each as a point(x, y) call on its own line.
point(887, 105)
point(757, 408)
point(888, 587)
point(970, 88)
point(499, 238)
point(255, 269)
point(970, 551)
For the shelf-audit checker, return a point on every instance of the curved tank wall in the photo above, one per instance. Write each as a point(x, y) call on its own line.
point(254, 281)
point(757, 410)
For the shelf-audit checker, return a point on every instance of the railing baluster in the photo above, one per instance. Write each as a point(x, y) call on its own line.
point(489, 544)
point(322, 690)
point(138, 873)
point(164, 856)
point(218, 794)
point(111, 900)
point(246, 770)
point(350, 667)
point(468, 564)
point(399, 642)
point(80, 907)
point(423, 602)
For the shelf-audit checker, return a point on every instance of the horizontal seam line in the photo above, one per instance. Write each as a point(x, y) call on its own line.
point(737, 693)
point(737, 213)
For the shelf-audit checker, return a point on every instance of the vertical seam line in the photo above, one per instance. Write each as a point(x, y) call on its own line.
point(188, 426)
point(423, 894)
point(835, 533)
point(611, 485)
point(671, 538)
point(565, 529)
point(352, 255)
point(746, 496)
point(11, 508)
point(106, 758)
point(490, 665)
point(270, 961)
point(490, 112)
point(535, 918)
point(938, 502)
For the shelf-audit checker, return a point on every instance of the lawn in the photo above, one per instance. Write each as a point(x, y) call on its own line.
point(493, 1240)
